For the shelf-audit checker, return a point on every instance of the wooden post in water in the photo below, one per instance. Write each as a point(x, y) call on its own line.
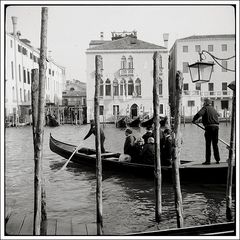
point(98, 61)
point(176, 150)
point(230, 156)
point(38, 136)
point(157, 163)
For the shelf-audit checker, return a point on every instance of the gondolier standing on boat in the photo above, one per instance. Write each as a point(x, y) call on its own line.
point(93, 131)
point(211, 123)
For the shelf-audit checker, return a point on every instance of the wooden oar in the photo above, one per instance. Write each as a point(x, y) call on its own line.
point(218, 138)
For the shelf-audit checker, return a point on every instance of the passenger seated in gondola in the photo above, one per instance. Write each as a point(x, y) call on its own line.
point(129, 143)
point(149, 133)
point(137, 149)
point(166, 151)
point(148, 152)
point(93, 131)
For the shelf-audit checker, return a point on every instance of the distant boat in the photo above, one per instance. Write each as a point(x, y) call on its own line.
point(189, 171)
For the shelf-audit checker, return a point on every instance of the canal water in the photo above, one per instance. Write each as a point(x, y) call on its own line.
point(128, 201)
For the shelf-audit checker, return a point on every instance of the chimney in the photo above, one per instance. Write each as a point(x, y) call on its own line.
point(165, 39)
point(101, 35)
point(14, 22)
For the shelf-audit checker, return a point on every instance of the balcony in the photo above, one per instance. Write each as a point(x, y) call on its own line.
point(126, 72)
point(209, 94)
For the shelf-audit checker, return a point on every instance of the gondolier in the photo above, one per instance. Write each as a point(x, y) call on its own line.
point(93, 131)
point(210, 121)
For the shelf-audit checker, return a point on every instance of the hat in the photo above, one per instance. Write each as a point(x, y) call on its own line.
point(128, 131)
point(207, 101)
point(150, 140)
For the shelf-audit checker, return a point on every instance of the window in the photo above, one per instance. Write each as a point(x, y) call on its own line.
point(130, 87)
point(53, 73)
point(224, 104)
point(20, 94)
point(19, 48)
point(224, 64)
point(160, 87)
point(28, 76)
point(198, 86)
point(191, 103)
point(24, 75)
point(34, 58)
point(19, 71)
point(24, 51)
point(161, 109)
point(13, 94)
point(185, 67)
point(108, 88)
point(185, 86)
point(224, 47)
point(28, 95)
point(115, 87)
point(115, 110)
point(122, 87)
point(101, 88)
point(197, 48)
point(224, 88)
point(185, 48)
point(31, 56)
point(130, 62)
point(210, 48)
point(24, 95)
point(138, 87)
point(12, 69)
point(49, 71)
point(123, 62)
point(101, 110)
point(211, 88)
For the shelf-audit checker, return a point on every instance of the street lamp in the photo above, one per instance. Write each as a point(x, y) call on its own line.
point(201, 72)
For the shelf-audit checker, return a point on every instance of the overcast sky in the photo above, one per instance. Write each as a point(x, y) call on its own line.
point(71, 28)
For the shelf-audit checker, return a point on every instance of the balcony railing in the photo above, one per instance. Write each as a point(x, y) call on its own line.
point(126, 72)
point(218, 94)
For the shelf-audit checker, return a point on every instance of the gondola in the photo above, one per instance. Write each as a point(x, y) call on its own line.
point(121, 122)
point(189, 171)
point(134, 122)
point(147, 123)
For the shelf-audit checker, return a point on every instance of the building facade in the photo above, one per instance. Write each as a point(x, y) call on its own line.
point(186, 51)
point(20, 59)
point(126, 84)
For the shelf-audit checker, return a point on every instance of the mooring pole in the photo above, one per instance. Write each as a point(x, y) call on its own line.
point(176, 150)
point(230, 156)
point(157, 163)
point(98, 61)
point(39, 127)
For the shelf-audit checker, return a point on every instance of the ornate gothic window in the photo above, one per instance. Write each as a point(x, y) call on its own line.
point(138, 87)
point(108, 88)
point(123, 62)
point(115, 88)
point(122, 87)
point(130, 87)
point(130, 62)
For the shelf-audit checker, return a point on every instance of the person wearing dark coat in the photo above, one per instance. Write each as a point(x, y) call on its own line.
point(148, 134)
point(129, 143)
point(166, 154)
point(211, 123)
point(148, 152)
point(93, 131)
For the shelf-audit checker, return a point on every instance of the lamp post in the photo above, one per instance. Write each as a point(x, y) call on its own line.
point(202, 72)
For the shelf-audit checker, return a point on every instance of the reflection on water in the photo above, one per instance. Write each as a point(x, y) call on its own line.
point(128, 201)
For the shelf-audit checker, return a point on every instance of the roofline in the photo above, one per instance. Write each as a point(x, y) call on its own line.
point(89, 51)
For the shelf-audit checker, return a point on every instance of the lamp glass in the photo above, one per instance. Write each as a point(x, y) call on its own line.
point(201, 72)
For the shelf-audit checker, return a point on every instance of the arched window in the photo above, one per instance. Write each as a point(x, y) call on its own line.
point(101, 88)
point(138, 87)
point(28, 95)
point(130, 87)
point(108, 88)
point(24, 95)
point(115, 88)
point(130, 62)
point(13, 94)
point(20, 94)
point(123, 62)
point(71, 89)
point(160, 86)
point(122, 87)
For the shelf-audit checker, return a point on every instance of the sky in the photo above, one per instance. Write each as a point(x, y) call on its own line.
point(71, 28)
